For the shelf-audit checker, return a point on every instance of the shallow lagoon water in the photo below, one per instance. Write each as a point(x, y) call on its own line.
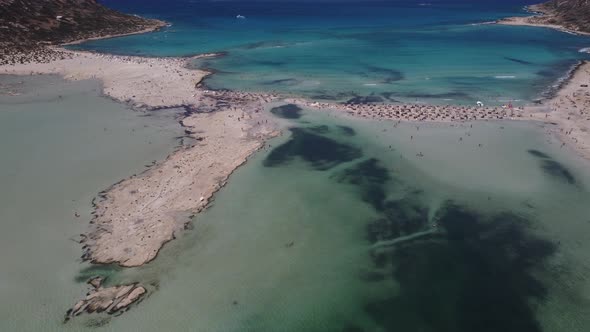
point(338, 225)
point(368, 238)
point(61, 143)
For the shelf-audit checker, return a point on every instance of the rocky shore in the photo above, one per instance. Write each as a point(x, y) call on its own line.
point(567, 113)
point(111, 300)
point(570, 16)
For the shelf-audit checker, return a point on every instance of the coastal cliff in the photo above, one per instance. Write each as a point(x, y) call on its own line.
point(26, 26)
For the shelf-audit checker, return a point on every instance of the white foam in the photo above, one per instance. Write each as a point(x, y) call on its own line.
point(505, 77)
point(584, 50)
point(483, 23)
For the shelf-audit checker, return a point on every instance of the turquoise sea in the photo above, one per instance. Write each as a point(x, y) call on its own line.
point(339, 224)
point(432, 51)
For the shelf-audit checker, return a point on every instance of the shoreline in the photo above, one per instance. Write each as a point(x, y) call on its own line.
point(553, 90)
point(160, 25)
point(538, 19)
point(568, 111)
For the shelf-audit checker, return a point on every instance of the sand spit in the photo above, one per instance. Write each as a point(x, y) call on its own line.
point(136, 217)
point(568, 112)
point(111, 300)
point(538, 21)
point(139, 81)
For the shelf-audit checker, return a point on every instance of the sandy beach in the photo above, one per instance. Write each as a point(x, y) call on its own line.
point(418, 112)
point(568, 112)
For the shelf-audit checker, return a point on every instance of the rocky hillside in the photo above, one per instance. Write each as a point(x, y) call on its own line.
point(25, 23)
point(572, 14)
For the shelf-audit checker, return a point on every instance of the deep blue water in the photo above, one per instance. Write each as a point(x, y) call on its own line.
point(398, 50)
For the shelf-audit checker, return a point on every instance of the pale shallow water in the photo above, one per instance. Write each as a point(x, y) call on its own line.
point(298, 238)
point(61, 143)
point(289, 243)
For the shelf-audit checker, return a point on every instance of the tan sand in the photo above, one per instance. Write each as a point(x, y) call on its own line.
point(151, 82)
point(137, 216)
point(569, 112)
point(417, 112)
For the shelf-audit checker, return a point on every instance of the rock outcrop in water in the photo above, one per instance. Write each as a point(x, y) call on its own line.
point(26, 26)
point(111, 300)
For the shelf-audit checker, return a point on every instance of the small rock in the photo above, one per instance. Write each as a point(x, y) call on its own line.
point(96, 282)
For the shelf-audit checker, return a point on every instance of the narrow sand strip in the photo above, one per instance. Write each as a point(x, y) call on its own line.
point(568, 113)
point(137, 216)
point(147, 82)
